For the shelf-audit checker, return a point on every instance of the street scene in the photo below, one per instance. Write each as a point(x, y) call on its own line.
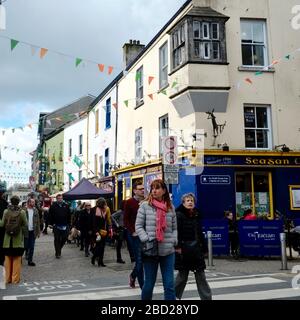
point(156, 158)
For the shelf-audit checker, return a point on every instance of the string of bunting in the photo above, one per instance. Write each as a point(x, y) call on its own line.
point(44, 51)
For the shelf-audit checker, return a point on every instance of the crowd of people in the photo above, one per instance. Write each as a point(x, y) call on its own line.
point(156, 235)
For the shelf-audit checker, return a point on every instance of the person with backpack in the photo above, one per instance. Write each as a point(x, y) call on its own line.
point(3, 206)
point(15, 223)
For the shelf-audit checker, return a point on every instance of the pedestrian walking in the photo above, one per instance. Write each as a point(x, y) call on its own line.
point(101, 226)
point(33, 230)
point(233, 234)
point(130, 212)
point(60, 219)
point(156, 227)
point(15, 223)
point(85, 227)
point(3, 206)
point(120, 232)
point(191, 248)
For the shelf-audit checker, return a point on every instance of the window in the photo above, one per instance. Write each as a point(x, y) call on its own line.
point(206, 40)
point(163, 66)
point(138, 145)
point(79, 175)
point(106, 160)
point(101, 165)
point(70, 147)
point(253, 190)
point(80, 144)
point(97, 122)
point(178, 46)
point(61, 148)
point(96, 164)
point(108, 114)
point(254, 43)
point(257, 127)
point(139, 86)
point(163, 130)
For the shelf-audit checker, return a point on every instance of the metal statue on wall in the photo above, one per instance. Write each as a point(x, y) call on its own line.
point(217, 128)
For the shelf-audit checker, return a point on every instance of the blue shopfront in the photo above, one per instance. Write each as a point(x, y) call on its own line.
point(262, 181)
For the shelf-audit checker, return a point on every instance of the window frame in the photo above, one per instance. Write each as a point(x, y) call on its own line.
point(97, 122)
point(108, 114)
point(255, 129)
point(140, 86)
point(178, 45)
point(163, 69)
point(252, 44)
point(70, 148)
point(138, 145)
point(80, 149)
point(160, 130)
point(106, 162)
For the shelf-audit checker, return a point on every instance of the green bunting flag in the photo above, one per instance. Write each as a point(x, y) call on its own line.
point(174, 84)
point(288, 56)
point(258, 73)
point(71, 177)
point(77, 161)
point(163, 92)
point(13, 44)
point(78, 61)
point(126, 103)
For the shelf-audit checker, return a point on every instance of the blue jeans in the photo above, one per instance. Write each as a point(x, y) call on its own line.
point(137, 271)
point(167, 271)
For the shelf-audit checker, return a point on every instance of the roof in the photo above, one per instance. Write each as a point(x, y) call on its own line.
point(85, 190)
point(65, 115)
point(205, 12)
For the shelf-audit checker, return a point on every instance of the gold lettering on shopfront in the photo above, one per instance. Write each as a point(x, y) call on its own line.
point(270, 161)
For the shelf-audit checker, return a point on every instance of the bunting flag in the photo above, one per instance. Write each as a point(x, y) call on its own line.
point(163, 92)
point(71, 177)
point(13, 44)
point(126, 103)
point(101, 67)
point(77, 161)
point(174, 84)
point(288, 56)
point(115, 105)
point(138, 76)
point(78, 61)
point(30, 125)
point(150, 79)
point(43, 52)
point(249, 80)
point(110, 70)
point(275, 62)
point(150, 96)
point(258, 73)
point(33, 49)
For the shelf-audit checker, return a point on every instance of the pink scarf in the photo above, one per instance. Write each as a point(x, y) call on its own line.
point(161, 221)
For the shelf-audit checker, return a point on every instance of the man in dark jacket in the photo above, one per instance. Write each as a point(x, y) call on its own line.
point(191, 248)
point(3, 206)
point(85, 220)
point(60, 219)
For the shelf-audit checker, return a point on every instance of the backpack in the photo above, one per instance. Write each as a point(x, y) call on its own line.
point(13, 222)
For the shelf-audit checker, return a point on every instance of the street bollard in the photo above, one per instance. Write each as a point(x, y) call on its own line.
point(210, 250)
point(283, 251)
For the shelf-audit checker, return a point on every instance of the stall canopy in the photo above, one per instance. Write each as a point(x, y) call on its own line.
point(85, 190)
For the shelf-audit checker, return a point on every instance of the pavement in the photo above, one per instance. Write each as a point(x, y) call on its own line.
point(74, 264)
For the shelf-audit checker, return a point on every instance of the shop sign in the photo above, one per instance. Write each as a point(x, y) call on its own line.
point(215, 179)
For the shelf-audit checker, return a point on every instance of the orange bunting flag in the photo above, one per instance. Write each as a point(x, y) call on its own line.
point(101, 67)
point(150, 79)
point(150, 96)
point(30, 126)
point(110, 70)
point(275, 62)
point(115, 105)
point(249, 80)
point(43, 52)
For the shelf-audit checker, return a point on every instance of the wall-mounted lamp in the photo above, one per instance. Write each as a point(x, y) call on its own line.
point(2, 16)
point(283, 147)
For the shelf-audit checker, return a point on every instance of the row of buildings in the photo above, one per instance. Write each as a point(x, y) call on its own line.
point(220, 74)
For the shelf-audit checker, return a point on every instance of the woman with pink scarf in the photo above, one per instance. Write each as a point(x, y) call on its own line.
point(156, 220)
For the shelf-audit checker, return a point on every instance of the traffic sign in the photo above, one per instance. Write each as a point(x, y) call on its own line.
point(170, 152)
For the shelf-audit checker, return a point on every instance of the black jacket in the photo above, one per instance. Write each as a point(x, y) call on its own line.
point(190, 240)
point(59, 214)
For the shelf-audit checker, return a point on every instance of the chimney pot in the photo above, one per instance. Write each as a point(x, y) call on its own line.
point(130, 41)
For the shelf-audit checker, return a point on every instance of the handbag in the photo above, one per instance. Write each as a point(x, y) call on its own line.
point(150, 249)
point(103, 233)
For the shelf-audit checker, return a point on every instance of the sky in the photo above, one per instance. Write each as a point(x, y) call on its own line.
point(93, 30)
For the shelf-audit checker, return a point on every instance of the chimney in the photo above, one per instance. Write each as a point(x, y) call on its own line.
point(131, 51)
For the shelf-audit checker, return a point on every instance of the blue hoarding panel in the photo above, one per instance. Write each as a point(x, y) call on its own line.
point(260, 238)
point(220, 237)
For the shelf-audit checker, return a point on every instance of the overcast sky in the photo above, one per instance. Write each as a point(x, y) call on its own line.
point(89, 29)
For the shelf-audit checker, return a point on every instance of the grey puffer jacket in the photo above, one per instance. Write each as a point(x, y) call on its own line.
point(145, 227)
